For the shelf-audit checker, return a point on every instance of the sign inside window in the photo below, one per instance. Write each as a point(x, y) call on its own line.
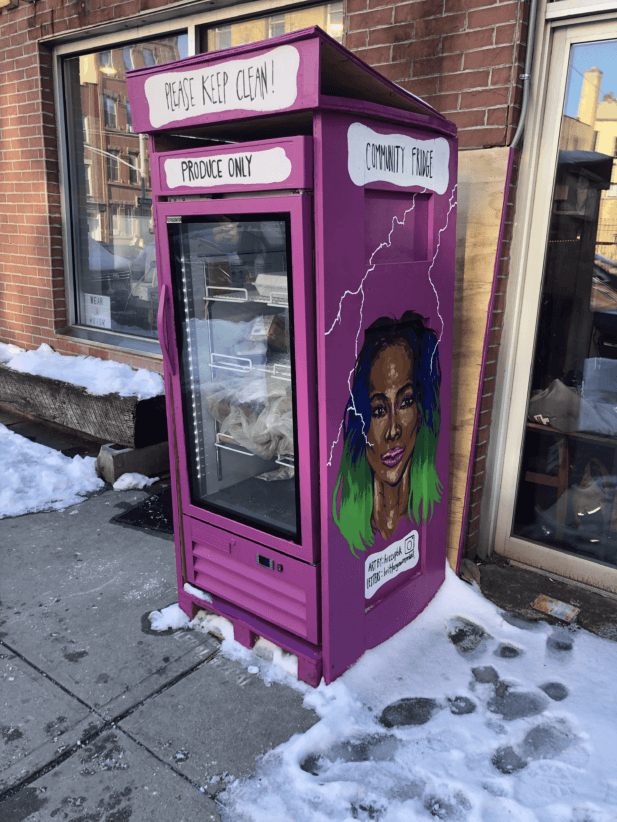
point(397, 159)
point(97, 310)
point(264, 83)
point(244, 168)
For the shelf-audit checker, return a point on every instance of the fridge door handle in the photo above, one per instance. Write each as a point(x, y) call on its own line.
point(164, 327)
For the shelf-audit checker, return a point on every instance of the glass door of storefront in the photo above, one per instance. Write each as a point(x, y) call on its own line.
point(560, 513)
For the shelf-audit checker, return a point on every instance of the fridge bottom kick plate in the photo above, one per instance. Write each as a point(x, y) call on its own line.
point(249, 629)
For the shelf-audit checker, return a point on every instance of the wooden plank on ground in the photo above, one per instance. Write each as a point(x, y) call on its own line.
point(128, 421)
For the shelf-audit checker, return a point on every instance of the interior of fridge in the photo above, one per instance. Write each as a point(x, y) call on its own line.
point(232, 277)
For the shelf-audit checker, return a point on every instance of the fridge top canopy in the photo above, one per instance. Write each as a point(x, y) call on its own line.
point(295, 72)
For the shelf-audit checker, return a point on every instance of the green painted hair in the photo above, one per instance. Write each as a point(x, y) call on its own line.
point(353, 509)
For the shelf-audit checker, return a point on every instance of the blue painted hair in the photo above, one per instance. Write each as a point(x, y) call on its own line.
point(353, 511)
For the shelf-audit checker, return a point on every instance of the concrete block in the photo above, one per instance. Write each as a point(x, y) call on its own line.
point(114, 460)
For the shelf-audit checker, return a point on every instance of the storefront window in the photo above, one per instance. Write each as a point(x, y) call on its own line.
point(329, 17)
point(567, 486)
point(109, 189)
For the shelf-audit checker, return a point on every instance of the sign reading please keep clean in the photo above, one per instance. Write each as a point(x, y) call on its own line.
point(264, 83)
point(238, 168)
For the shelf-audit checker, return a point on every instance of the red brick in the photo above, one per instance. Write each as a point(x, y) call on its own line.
point(468, 119)
point(444, 102)
point(476, 496)
point(439, 26)
point(500, 302)
point(481, 137)
point(479, 39)
point(463, 81)
point(418, 11)
point(489, 57)
point(380, 54)
point(485, 98)
point(397, 72)
point(127, 9)
point(501, 76)
point(492, 16)
point(356, 5)
point(391, 34)
point(505, 34)
point(370, 19)
point(357, 39)
point(437, 65)
point(496, 116)
point(416, 50)
point(421, 87)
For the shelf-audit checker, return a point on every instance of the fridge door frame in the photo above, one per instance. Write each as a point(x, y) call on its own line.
point(299, 207)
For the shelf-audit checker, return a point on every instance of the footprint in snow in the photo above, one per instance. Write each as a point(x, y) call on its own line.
point(375, 747)
point(545, 741)
point(469, 638)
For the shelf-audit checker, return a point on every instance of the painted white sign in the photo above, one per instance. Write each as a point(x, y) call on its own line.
point(397, 159)
point(246, 167)
point(97, 310)
point(265, 83)
point(385, 565)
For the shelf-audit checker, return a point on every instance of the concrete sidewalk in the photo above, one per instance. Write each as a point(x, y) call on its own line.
point(102, 719)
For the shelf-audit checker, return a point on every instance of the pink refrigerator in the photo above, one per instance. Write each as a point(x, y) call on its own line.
point(304, 216)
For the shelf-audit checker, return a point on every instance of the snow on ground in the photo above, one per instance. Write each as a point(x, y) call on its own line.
point(37, 478)
point(95, 375)
point(466, 714)
point(171, 617)
point(130, 481)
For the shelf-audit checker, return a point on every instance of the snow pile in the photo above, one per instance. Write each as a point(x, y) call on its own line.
point(7, 351)
point(467, 714)
point(95, 375)
point(130, 481)
point(171, 617)
point(37, 478)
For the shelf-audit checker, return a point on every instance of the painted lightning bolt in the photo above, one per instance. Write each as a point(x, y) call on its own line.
point(360, 290)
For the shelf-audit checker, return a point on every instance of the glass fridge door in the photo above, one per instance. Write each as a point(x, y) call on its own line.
point(232, 285)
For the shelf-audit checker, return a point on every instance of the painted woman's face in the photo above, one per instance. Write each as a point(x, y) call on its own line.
point(394, 413)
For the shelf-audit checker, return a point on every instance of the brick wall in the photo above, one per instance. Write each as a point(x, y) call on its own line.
point(462, 56)
point(32, 283)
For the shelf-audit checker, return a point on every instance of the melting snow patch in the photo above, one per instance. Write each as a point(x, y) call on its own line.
point(37, 478)
point(171, 617)
point(131, 481)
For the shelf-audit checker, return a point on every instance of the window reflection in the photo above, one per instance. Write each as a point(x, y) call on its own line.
point(567, 487)
point(329, 17)
point(110, 194)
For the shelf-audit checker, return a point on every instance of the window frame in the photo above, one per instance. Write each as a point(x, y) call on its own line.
point(555, 33)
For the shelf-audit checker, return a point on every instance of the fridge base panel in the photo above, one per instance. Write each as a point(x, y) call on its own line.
point(277, 588)
point(248, 627)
